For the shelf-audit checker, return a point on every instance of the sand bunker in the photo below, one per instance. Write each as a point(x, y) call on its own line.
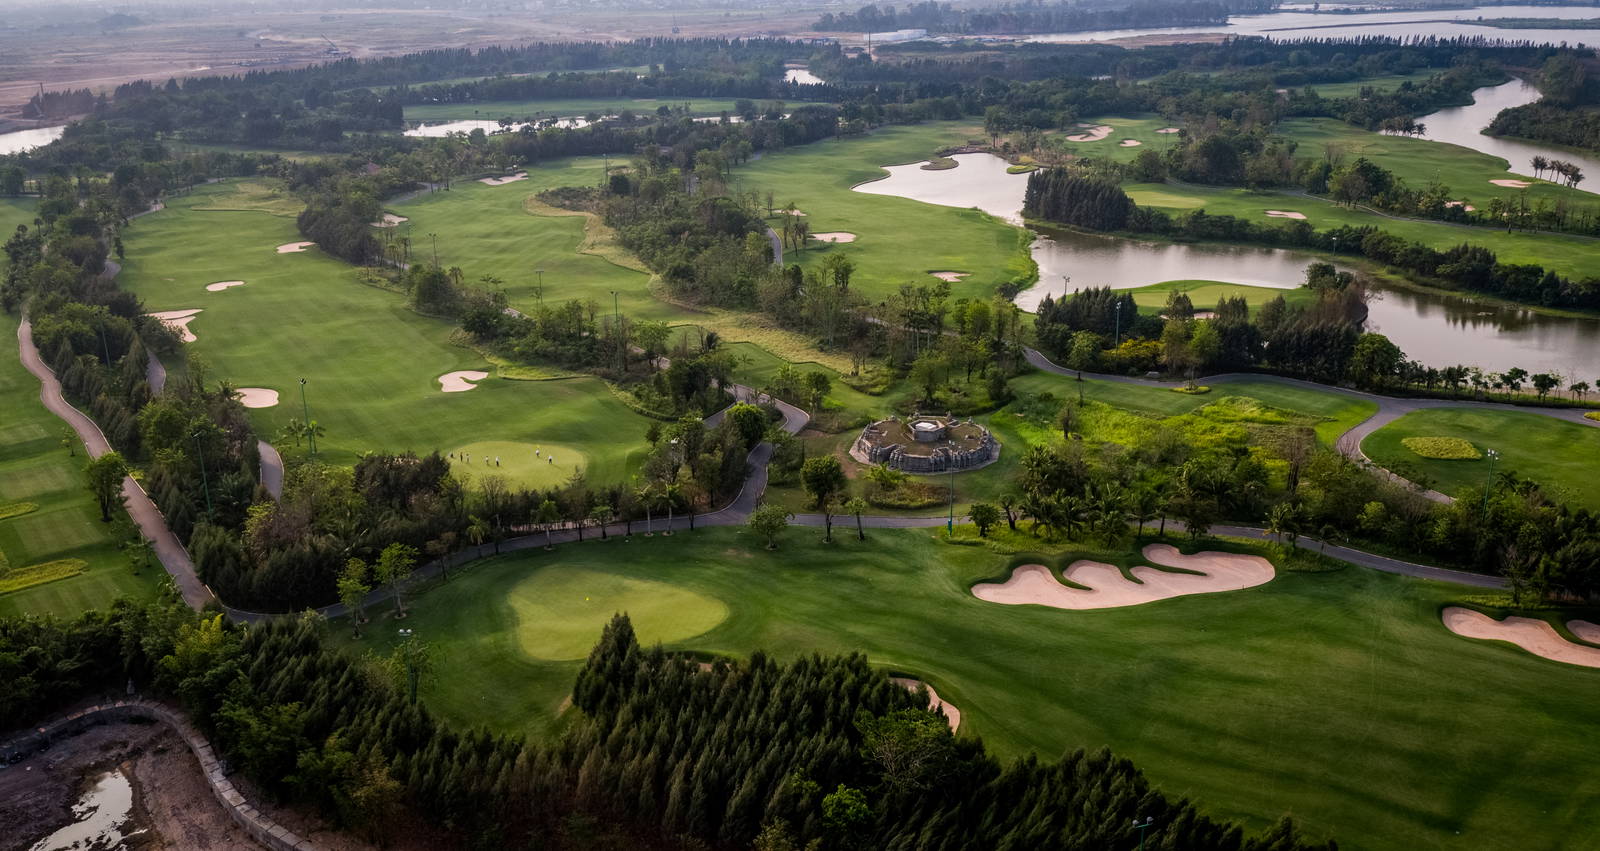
point(1512, 184)
point(952, 277)
point(1168, 130)
point(256, 397)
point(1106, 588)
point(834, 236)
point(501, 181)
point(790, 212)
point(1585, 631)
point(294, 247)
point(1462, 204)
point(1285, 214)
point(222, 285)
point(1093, 134)
point(178, 320)
point(951, 714)
point(1534, 636)
point(461, 380)
point(1130, 143)
point(390, 220)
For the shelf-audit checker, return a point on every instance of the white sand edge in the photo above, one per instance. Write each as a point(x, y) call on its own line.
point(294, 247)
point(390, 220)
point(1286, 214)
point(1129, 143)
point(1168, 130)
point(256, 397)
point(1511, 184)
point(1107, 588)
point(834, 236)
point(935, 702)
point(461, 380)
point(501, 181)
point(178, 320)
point(1093, 134)
point(222, 285)
point(1534, 636)
point(952, 277)
point(1585, 631)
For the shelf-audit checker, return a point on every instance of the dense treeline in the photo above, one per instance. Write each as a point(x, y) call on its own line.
point(1565, 114)
point(661, 756)
point(1062, 195)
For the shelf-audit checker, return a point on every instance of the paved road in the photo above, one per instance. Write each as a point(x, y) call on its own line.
point(140, 507)
point(1390, 408)
point(271, 469)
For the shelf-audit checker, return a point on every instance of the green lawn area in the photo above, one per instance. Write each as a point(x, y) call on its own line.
point(1205, 295)
point(489, 230)
point(1384, 83)
point(372, 364)
point(1571, 256)
point(1552, 452)
point(898, 240)
point(1141, 129)
point(1335, 696)
point(35, 468)
point(493, 110)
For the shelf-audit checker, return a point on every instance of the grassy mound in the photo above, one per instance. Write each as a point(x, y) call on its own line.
point(39, 574)
point(1442, 448)
point(939, 164)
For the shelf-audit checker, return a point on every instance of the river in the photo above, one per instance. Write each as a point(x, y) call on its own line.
point(1463, 125)
point(1437, 330)
point(1301, 23)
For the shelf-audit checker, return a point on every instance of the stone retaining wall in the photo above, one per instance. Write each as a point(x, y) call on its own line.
point(260, 827)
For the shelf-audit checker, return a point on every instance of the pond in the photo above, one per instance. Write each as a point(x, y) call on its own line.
point(449, 128)
point(26, 140)
point(100, 816)
point(802, 76)
point(1438, 330)
point(1463, 125)
point(1302, 23)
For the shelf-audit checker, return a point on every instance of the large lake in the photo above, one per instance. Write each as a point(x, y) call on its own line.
point(1434, 329)
point(1300, 23)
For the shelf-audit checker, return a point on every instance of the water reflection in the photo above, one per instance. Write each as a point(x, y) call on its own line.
point(1438, 330)
point(450, 128)
point(1463, 125)
point(27, 140)
point(802, 76)
point(1443, 23)
point(100, 816)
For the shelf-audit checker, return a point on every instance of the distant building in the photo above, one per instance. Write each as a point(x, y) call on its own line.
point(896, 36)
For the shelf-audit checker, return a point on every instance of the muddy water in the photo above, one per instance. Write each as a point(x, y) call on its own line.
point(101, 816)
point(1463, 125)
point(1434, 329)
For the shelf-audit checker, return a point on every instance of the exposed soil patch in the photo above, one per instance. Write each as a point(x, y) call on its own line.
point(1532, 635)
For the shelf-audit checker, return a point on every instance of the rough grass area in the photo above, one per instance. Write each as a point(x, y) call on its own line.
point(1377, 726)
point(261, 194)
point(372, 364)
point(18, 578)
point(1555, 453)
point(1442, 448)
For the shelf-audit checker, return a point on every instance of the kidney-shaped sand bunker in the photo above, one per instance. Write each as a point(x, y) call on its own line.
point(1106, 588)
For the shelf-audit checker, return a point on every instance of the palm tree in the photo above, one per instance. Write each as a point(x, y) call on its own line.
point(293, 430)
point(477, 531)
point(601, 515)
point(858, 507)
point(1539, 165)
point(646, 494)
point(669, 494)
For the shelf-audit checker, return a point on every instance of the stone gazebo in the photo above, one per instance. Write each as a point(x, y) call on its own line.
point(926, 443)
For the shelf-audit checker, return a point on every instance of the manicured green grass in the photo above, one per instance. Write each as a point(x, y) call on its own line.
point(1205, 295)
point(898, 240)
point(1140, 129)
point(488, 230)
point(1383, 83)
point(36, 468)
point(1552, 452)
point(1374, 724)
point(1571, 256)
point(371, 363)
point(517, 462)
point(560, 612)
point(494, 110)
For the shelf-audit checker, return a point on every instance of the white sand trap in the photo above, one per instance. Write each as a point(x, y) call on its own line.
point(790, 212)
point(936, 703)
point(952, 277)
point(501, 181)
point(257, 397)
point(390, 220)
point(1130, 143)
point(1285, 214)
point(1168, 130)
point(178, 320)
point(1108, 588)
point(223, 285)
point(834, 236)
point(1093, 134)
point(294, 247)
point(461, 380)
point(1585, 631)
point(1512, 184)
point(1462, 204)
point(1534, 636)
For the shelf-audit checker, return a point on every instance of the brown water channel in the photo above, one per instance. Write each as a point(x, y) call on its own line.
point(1434, 329)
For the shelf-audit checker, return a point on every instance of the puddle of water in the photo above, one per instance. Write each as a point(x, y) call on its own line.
point(102, 814)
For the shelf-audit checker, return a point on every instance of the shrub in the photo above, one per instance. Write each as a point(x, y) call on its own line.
point(1592, 415)
point(1197, 390)
point(1442, 448)
point(38, 574)
point(16, 509)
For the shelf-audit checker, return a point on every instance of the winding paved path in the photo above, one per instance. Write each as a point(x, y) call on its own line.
point(777, 247)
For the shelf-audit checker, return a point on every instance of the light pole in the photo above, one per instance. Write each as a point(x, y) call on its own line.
point(305, 410)
point(205, 482)
point(1118, 312)
point(538, 290)
point(1142, 826)
point(408, 651)
point(1488, 480)
point(616, 320)
point(950, 522)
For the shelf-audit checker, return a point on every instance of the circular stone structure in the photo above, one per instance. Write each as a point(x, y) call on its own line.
point(926, 443)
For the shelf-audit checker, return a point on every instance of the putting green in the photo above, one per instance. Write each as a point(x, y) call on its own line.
point(516, 461)
point(560, 613)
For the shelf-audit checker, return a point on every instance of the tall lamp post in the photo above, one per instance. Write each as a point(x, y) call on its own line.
point(311, 436)
point(1118, 312)
point(538, 290)
point(1488, 480)
point(950, 522)
point(1143, 826)
point(616, 321)
point(408, 652)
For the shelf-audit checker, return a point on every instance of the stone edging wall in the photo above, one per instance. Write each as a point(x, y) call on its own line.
point(260, 827)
